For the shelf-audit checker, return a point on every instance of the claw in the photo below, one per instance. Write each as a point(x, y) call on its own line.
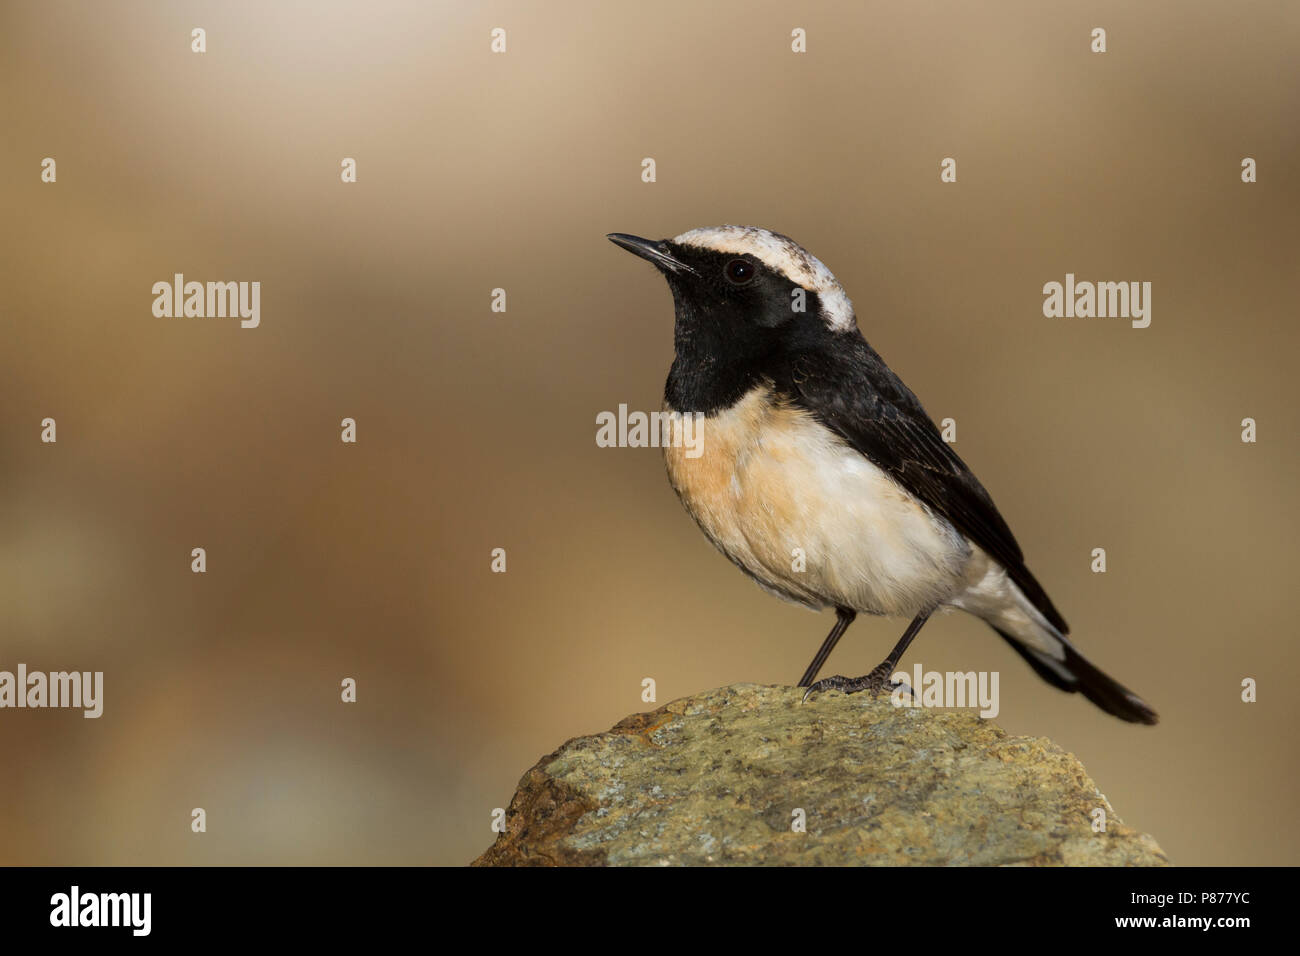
point(875, 682)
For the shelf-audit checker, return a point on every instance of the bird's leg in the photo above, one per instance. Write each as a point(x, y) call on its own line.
point(843, 618)
point(878, 679)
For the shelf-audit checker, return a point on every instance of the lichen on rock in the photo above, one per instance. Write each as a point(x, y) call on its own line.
point(725, 777)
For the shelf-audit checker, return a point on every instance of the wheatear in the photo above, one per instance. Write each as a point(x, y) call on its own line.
point(812, 446)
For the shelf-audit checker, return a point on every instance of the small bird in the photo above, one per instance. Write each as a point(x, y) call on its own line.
point(811, 445)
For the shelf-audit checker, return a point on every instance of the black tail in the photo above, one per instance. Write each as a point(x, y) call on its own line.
point(1076, 675)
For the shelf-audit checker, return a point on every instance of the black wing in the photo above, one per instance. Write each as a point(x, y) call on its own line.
point(854, 393)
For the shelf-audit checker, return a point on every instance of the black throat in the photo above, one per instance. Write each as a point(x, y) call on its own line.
point(719, 360)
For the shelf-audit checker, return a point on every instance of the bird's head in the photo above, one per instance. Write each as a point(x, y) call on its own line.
point(746, 299)
point(744, 281)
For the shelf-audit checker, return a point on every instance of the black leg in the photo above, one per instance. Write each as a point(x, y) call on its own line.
point(878, 679)
point(900, 648)
point(843, 618)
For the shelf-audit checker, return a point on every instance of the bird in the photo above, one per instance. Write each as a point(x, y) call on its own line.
point(811, 445)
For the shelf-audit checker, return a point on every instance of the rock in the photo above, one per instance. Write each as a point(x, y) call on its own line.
point(714, 779)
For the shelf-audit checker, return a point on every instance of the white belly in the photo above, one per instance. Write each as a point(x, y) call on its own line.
point(809, 517)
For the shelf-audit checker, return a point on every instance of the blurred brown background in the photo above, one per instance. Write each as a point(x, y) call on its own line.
point(476, 430)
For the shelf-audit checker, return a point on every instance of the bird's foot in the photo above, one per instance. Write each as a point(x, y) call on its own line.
point(875, 683)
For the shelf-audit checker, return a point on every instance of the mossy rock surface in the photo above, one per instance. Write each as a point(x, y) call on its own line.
point(718, 778)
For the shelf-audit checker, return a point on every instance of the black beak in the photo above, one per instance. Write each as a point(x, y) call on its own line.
point(654, 252)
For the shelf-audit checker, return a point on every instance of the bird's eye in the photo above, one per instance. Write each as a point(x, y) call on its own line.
point(739, 271)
